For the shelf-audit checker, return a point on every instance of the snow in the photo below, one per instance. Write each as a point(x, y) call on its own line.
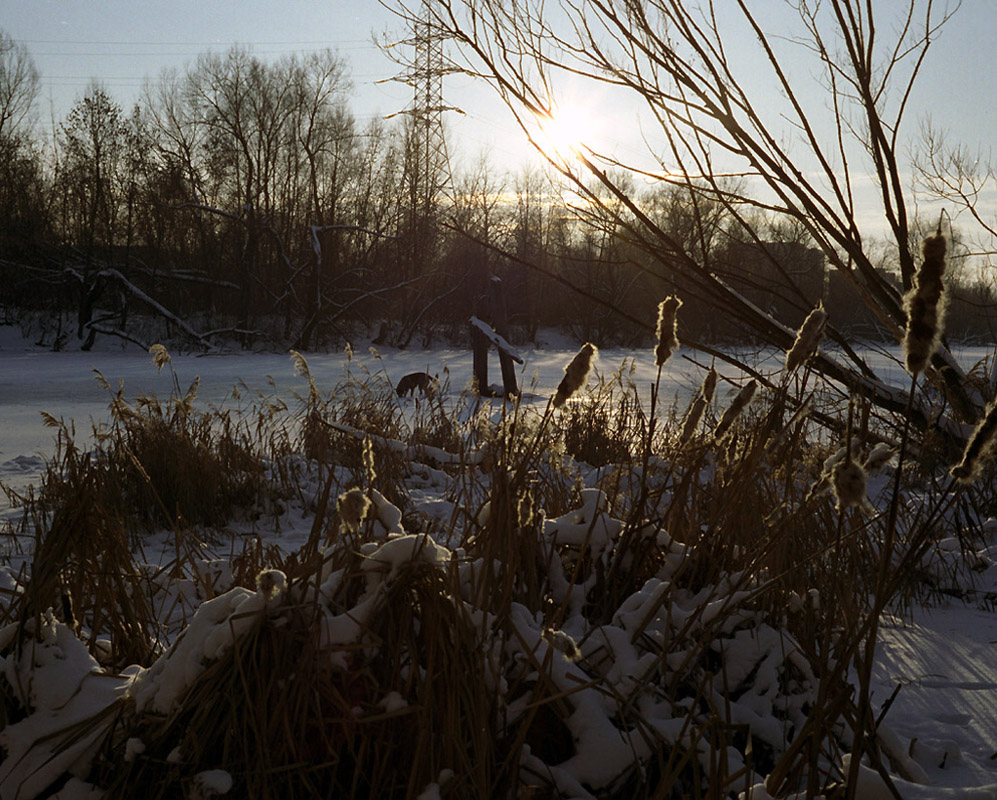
point(211, 783)
point(946, 711)
point(432, 792)
point(385, 562)
point(216, 625)
point(68, 690)
point(589, 526)
point(496, 339)
point(941, 728)
point(392, 702)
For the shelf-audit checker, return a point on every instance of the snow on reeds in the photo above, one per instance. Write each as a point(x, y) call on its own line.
point(503, 602)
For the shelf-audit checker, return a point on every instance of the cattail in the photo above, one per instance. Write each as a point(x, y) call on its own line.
point(692, 420)
point(271, 582)
point(848, 482)
point(160, 356)
point(979, 448)
point(843, 453)
point(878, 457)
point(798, 416)
point(575, 374)
point(734, 411)
point(525, 509)
point(831, 463)
point(709, 385)
point(367, 453)
point(925, 306)
point(698, 408)
point(731, 449)
point(808, 338)
point(352, 507)
point(68, 614)
point(559, 640)
point(668, 340)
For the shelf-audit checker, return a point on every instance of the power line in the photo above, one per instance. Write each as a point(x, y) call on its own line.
point(159, 55)
point(71, 80)
point(178, 53)
point(178, 44)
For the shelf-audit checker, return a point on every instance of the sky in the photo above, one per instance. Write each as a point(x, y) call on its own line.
point(122, 43)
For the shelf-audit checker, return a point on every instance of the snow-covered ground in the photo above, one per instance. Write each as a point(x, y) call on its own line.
point(946, 711)
point(64, 384)
point(944, 717)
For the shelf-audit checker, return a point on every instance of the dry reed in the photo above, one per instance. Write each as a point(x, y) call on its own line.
point(466, 672)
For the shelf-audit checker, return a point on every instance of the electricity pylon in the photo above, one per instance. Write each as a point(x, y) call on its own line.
point(424, 73)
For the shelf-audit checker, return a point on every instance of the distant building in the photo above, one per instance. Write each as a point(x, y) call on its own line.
point(760, 272)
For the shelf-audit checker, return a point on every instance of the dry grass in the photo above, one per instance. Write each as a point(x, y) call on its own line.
point(472, 671)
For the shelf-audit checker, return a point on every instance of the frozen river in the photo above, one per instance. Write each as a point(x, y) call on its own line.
point(64, 384)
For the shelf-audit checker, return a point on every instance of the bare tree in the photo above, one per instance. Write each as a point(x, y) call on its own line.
point(19, 86)
point(22, 216)
point(326, 138)
point(92, 143)
point(702, 74)
point(963, 181)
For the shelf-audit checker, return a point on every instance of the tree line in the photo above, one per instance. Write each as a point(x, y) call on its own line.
point(240, 201)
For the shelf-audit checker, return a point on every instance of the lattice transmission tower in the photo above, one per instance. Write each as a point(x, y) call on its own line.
point(424, 73)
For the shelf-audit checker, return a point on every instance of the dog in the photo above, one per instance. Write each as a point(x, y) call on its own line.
point(423, 381)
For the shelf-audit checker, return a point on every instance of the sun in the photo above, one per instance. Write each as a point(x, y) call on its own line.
point(563, 131)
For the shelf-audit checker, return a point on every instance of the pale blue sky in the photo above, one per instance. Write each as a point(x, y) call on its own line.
point(121, 42)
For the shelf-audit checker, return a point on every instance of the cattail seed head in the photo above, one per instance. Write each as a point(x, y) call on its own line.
point(878, 457)
point(808, 338)
point(840, 455)
point(925, 307)
point(668, 340)
point(698, 407)
point(271, 582)
point(68, 614)
point(979, 449)
point(709, 386)
point(575, 374)
point(825, 482)
point(352, 507)
point(848, 482)
point(736, 407)
point(525, 509)
point(559, 640)
point(692, 420)
point(367, 453)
